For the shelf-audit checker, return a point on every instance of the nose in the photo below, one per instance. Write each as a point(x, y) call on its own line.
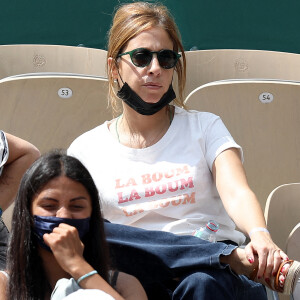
point(63, 212)
point(154, 66)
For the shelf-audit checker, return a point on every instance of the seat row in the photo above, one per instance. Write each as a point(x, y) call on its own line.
point(203, 66)
point(49, 95)
point(63, 92)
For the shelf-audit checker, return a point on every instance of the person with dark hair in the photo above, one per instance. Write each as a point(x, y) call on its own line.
point(57, 244)
point(16, 155)
point(169, 170)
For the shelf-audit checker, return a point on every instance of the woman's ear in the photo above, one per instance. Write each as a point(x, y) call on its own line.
point(112, 68)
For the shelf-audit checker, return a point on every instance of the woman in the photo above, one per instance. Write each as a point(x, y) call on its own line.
point(167, 169)
point(16, 155)
point(57, 243)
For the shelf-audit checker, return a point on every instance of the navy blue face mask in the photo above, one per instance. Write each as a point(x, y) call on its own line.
point(44, 225)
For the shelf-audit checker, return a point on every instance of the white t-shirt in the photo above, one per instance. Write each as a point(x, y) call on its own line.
point(167, 186)
point(89, 295)
point(69, 289)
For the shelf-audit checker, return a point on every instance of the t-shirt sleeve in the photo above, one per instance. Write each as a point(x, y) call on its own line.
point(76, 149)
point(218, 139)
point(3, 150)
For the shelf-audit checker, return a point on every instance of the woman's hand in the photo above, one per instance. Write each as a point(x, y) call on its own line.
point(269, 255)
point(68, 249)
point(66, 246)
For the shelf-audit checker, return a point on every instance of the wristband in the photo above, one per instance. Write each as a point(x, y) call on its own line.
point(257, 229)
point(86, 276)
point(1, 212)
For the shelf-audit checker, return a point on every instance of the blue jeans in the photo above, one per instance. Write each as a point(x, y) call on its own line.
point(178, 267)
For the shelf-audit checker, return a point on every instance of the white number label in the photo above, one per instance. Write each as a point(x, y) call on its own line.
point(266, 97)
point(65, 93)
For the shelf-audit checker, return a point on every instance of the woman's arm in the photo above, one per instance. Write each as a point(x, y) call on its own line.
point(68, 250)
point(243, 207)
point(3, 286)
point(130, 288)
point(21, 155)
point(94, 281)
point(127, 287)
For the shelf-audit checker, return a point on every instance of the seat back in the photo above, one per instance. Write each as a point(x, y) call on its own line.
point(282, 213)
point(22, 59)
point(263, 117)
point(205, 66)
point(293, 243)
point(50, 111)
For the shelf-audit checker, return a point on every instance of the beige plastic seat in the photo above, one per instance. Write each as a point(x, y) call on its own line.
point(263, 116)
point(205, 66)
point(282, 213)
point(21, 59)
point(293, 243)
point(293, 252)
point(37, 109)
point(50, 111)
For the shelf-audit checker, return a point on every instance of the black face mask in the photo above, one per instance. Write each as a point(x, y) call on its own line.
point(131, 98)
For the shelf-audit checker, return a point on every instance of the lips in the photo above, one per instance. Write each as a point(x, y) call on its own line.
point(152, 85)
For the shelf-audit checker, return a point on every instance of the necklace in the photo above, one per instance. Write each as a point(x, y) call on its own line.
point(170, 114)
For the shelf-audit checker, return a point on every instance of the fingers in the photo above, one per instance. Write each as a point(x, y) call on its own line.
point(63, 236)
point(269, 261)
point(268, 253)
point(265, 259)
point(273, 262)
point(65, 230)
point(279, 256)
point(46, 238)
point(284, 257)
point(249, 253)
point(262, 263)
point(66, 246)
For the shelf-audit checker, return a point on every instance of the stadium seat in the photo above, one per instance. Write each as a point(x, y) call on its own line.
point(50, 111)
point(293, 251)
point(205, 66)
point(21, 59)
point(293, 241)
point(263, 116)
point(282, 213)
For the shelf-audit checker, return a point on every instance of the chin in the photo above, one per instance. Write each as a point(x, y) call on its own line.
point(152, 98)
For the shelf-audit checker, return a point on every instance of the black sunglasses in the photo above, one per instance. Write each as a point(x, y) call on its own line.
point(142, 57)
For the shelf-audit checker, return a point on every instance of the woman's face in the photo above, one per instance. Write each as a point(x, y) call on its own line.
point(64, 198)
point(152, 81)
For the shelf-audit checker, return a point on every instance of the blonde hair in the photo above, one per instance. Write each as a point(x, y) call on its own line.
point(132, 19)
